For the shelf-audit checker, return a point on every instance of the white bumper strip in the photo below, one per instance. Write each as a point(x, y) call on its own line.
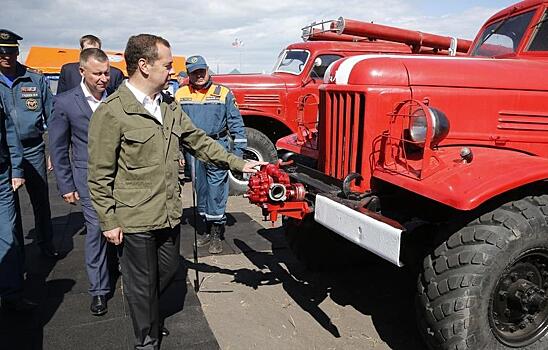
point(371, 234)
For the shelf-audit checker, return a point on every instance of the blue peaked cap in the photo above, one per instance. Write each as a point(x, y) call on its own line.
point(195, 62)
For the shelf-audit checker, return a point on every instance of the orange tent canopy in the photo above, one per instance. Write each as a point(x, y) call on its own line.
point(50, 59)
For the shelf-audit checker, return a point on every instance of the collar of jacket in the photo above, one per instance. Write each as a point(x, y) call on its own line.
point(20, 72)
point(132, 106)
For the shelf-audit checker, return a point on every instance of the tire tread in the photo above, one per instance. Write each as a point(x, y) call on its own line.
point(449, 286)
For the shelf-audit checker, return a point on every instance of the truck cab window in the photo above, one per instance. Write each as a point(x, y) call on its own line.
point(540, 36)
point(292, 61)
point(503, 37)
point(320, 65)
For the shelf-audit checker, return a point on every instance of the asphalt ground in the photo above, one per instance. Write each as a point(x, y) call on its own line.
point(62, 319)
point(256, 295)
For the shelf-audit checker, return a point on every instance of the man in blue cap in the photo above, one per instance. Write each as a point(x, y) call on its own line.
point(212, 108)
point(27, 100)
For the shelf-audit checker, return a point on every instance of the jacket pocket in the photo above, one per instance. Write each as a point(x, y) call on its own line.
point(140, 149)
point(131, 197)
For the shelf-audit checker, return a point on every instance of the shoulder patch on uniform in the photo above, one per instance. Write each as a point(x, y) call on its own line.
point(222, 92)
point(34, 70)
point(217, 91)
point(222, 86)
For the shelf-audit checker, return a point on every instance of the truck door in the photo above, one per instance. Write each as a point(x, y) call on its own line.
point(306, 98)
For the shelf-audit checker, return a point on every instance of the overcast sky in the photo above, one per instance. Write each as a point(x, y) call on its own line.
point(209, 27)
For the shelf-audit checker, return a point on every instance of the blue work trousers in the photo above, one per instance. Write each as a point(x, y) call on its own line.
point(211, 185)
point(11, 268)
point(36, 183)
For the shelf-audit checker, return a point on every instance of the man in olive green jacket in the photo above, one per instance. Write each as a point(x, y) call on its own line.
point(134, 142)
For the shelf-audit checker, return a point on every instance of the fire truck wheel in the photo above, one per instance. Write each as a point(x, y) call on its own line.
point(259, 147)
point(486, 286)
point(318, 248)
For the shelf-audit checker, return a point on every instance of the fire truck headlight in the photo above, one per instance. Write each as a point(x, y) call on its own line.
point(418, 125)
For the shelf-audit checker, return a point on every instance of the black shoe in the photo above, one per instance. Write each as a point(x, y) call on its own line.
point(216, 246)
point(164, 331)
point(203, 240)
point(18, 305)
point(98, 305)
point(49, 251)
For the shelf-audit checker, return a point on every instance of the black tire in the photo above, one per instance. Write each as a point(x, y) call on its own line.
point(319, 248)
point(259, 147)
point(472, 288)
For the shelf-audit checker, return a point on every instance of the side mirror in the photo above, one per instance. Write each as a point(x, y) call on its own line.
point(318, 62)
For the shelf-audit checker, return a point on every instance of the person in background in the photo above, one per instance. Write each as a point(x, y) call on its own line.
point(212, 108)
point(134, 144)
point(68, 140)
point(182, 79)
point(27, 100)
point(70, 76)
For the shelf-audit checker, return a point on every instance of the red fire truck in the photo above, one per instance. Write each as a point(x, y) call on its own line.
point(274, 105)
point(440, 162)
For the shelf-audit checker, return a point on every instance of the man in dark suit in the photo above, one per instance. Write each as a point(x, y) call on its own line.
point(68, 129)
point(70, 72)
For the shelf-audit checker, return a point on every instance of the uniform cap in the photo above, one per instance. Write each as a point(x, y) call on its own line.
point(195, 62)
point(182, 74)
point(8, 41)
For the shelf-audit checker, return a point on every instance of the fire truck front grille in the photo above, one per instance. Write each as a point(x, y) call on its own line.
point(342, 119)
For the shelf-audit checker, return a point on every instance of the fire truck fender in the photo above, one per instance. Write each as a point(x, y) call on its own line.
point(466, 184)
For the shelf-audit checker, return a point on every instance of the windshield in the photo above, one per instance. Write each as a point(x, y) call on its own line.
point(291, 61)
point(503, 37)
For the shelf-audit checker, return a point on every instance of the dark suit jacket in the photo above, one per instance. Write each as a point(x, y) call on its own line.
point(68, 130)
point(70, 77)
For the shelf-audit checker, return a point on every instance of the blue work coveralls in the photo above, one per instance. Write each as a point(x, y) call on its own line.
point(27, 100)
point(214, 110)
point(11, 262)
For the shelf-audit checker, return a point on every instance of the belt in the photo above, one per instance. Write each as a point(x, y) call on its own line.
point(35, 141)
point(219, 135)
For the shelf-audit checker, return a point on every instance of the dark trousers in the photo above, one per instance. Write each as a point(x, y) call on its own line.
point(149, 263)
point(36, 183)
point(95, 251)
point(96, 243)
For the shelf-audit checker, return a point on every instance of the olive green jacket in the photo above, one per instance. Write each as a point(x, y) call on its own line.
point(133, 162)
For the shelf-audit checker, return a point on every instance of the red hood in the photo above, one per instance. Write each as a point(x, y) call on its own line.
point(250, 81)
point(516, 74)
